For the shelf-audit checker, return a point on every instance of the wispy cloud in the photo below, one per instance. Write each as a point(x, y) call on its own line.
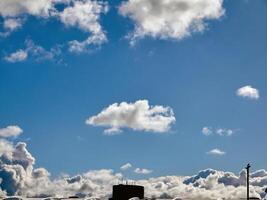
point(207, 131)
point(216, 152)
point(18, 56)
point(142, 171)
point(37, 52)
point(126, 166)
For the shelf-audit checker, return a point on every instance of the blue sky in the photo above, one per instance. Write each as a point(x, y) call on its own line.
point(196, 76)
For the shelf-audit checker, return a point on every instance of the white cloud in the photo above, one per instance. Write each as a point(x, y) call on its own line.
point(13, 8)
point(126, 166)
point(37, 52)
point(138, 116)
point(10, 131)
point(14, 12)
point(82, 46)
point(85, 15)
point(216, 152)
point(248, 92)
point(142, 171)
point(174, 19)
point(18, 56)
point(206, 130)
point(224, 132)
point(10, 25)
point(219, 131)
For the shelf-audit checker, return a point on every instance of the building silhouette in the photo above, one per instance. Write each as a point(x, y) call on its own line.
point(125, 192)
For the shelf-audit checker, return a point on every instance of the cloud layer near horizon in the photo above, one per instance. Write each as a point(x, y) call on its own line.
point(19, 177)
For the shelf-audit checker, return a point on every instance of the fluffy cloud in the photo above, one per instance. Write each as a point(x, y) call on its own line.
point(126, 166)
point(34, 51)
point(14, 11)
point(216, 152)
point(248, 92)
point(142, 171)
point(19, 177)
point(219, 131)
point(13, 8)
point(174, 19)
point(138, 116)
point(10, 131)
point(83, 14)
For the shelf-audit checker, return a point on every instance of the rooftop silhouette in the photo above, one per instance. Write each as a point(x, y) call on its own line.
point(125, 192)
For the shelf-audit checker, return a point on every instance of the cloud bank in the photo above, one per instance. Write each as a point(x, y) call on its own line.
point(20, 177)
point(170, 19)
point(139, 116)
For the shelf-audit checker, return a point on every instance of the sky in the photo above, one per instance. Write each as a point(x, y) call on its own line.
point(169, 88)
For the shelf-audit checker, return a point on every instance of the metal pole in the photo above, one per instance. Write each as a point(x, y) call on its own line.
point(247, 168)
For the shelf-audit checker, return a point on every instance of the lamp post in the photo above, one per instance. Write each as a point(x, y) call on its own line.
point(247, 168)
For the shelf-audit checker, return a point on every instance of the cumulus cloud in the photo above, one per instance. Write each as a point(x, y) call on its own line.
point(10, 131)
point(19, 177)
point(219, 131)
point(13, 8)
point(13, 12)
point(126, 166)
point(34, 51)
point(83, 14)
point(216, 152)
point(248, 92)
point(138, 116)
point(142, 171)
point(170, 19)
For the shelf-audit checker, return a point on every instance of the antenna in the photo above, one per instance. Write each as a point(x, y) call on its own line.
point(247, 168)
